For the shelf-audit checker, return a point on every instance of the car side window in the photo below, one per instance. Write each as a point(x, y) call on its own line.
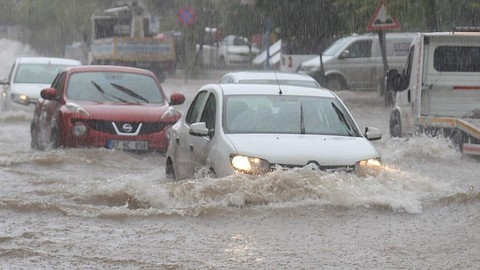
point(209, 113)
point(361, 48)
point(58, 84)
point(195, 108)
point(226, 80)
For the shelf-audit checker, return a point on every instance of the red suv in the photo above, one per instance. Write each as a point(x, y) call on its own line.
point(104, 106)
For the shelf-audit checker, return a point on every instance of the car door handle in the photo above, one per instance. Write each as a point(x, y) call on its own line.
point(177, 140)
point(191, 147)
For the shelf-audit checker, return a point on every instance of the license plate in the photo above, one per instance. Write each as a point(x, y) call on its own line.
point(127, 145)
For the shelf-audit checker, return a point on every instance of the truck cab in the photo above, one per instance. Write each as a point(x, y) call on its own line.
point(231, 51)
point(438, 91)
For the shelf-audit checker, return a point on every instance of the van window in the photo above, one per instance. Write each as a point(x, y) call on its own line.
point(361, 48)
point(457, 59)
point(336, 46)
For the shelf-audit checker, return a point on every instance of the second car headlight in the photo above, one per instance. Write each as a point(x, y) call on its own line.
point(250, 165)
point(21, 99)
point(371, 166)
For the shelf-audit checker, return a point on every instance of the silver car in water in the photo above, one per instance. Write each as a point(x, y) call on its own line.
point(255, 128)
point(28, 76)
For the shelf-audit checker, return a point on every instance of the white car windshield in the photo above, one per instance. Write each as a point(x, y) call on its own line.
point(277, 114)
point(117, 87)
point(37, 73)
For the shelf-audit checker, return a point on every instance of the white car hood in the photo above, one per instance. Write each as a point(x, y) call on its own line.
point(32, 90)
point(295, 149)
point(315, 62)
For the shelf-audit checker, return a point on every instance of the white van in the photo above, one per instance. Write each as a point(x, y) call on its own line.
point(355, 62)
point(438, 92)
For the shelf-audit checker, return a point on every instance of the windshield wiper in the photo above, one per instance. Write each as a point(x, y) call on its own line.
point(104, 94)
point(344, 121)
point(129, 92)
point(302, 122)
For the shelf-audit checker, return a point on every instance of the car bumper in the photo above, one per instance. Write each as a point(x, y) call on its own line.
point(156, 141)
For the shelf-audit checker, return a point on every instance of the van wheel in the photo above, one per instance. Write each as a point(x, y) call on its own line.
point(335, 82)
point(395, 124)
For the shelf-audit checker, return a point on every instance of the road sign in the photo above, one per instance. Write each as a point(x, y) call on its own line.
point(187, 16)
point(381, 20)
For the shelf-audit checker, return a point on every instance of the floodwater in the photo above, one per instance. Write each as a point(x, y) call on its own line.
point(104, 209)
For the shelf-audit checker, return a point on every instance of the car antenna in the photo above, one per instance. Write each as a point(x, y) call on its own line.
point(276, 79)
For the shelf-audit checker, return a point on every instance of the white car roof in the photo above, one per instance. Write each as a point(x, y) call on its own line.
point(268, 75)
point(46, 60)
point(270, 89)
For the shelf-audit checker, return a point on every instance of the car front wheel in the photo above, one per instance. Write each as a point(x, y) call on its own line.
point(335, 82)
point(170, 170)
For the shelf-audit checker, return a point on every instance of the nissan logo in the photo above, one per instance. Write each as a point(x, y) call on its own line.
point(127, 127)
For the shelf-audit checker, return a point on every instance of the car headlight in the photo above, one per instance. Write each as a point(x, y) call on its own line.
point(21, 99)
point(80, 129)
point(250, 165)
point(371, 166)
point(76, 108)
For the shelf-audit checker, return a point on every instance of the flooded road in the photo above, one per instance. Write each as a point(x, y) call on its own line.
point(105, 209)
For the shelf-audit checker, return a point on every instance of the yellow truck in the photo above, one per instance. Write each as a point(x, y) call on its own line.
point(121, 36)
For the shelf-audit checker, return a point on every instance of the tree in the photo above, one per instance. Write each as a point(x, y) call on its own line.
point(311, 23)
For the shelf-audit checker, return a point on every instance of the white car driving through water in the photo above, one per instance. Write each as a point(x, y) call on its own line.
point(256, 128)
point(28, 76)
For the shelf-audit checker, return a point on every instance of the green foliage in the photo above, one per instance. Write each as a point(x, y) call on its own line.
point(51, 24)
point(48, 25)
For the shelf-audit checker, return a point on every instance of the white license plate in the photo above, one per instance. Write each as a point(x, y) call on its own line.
point(127, 145)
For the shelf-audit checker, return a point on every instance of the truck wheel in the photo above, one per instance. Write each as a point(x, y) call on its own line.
point(335, 82)
point(395, 124)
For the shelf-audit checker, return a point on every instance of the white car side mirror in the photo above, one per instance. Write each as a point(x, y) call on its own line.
point(373, 133)
point(198, 129)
